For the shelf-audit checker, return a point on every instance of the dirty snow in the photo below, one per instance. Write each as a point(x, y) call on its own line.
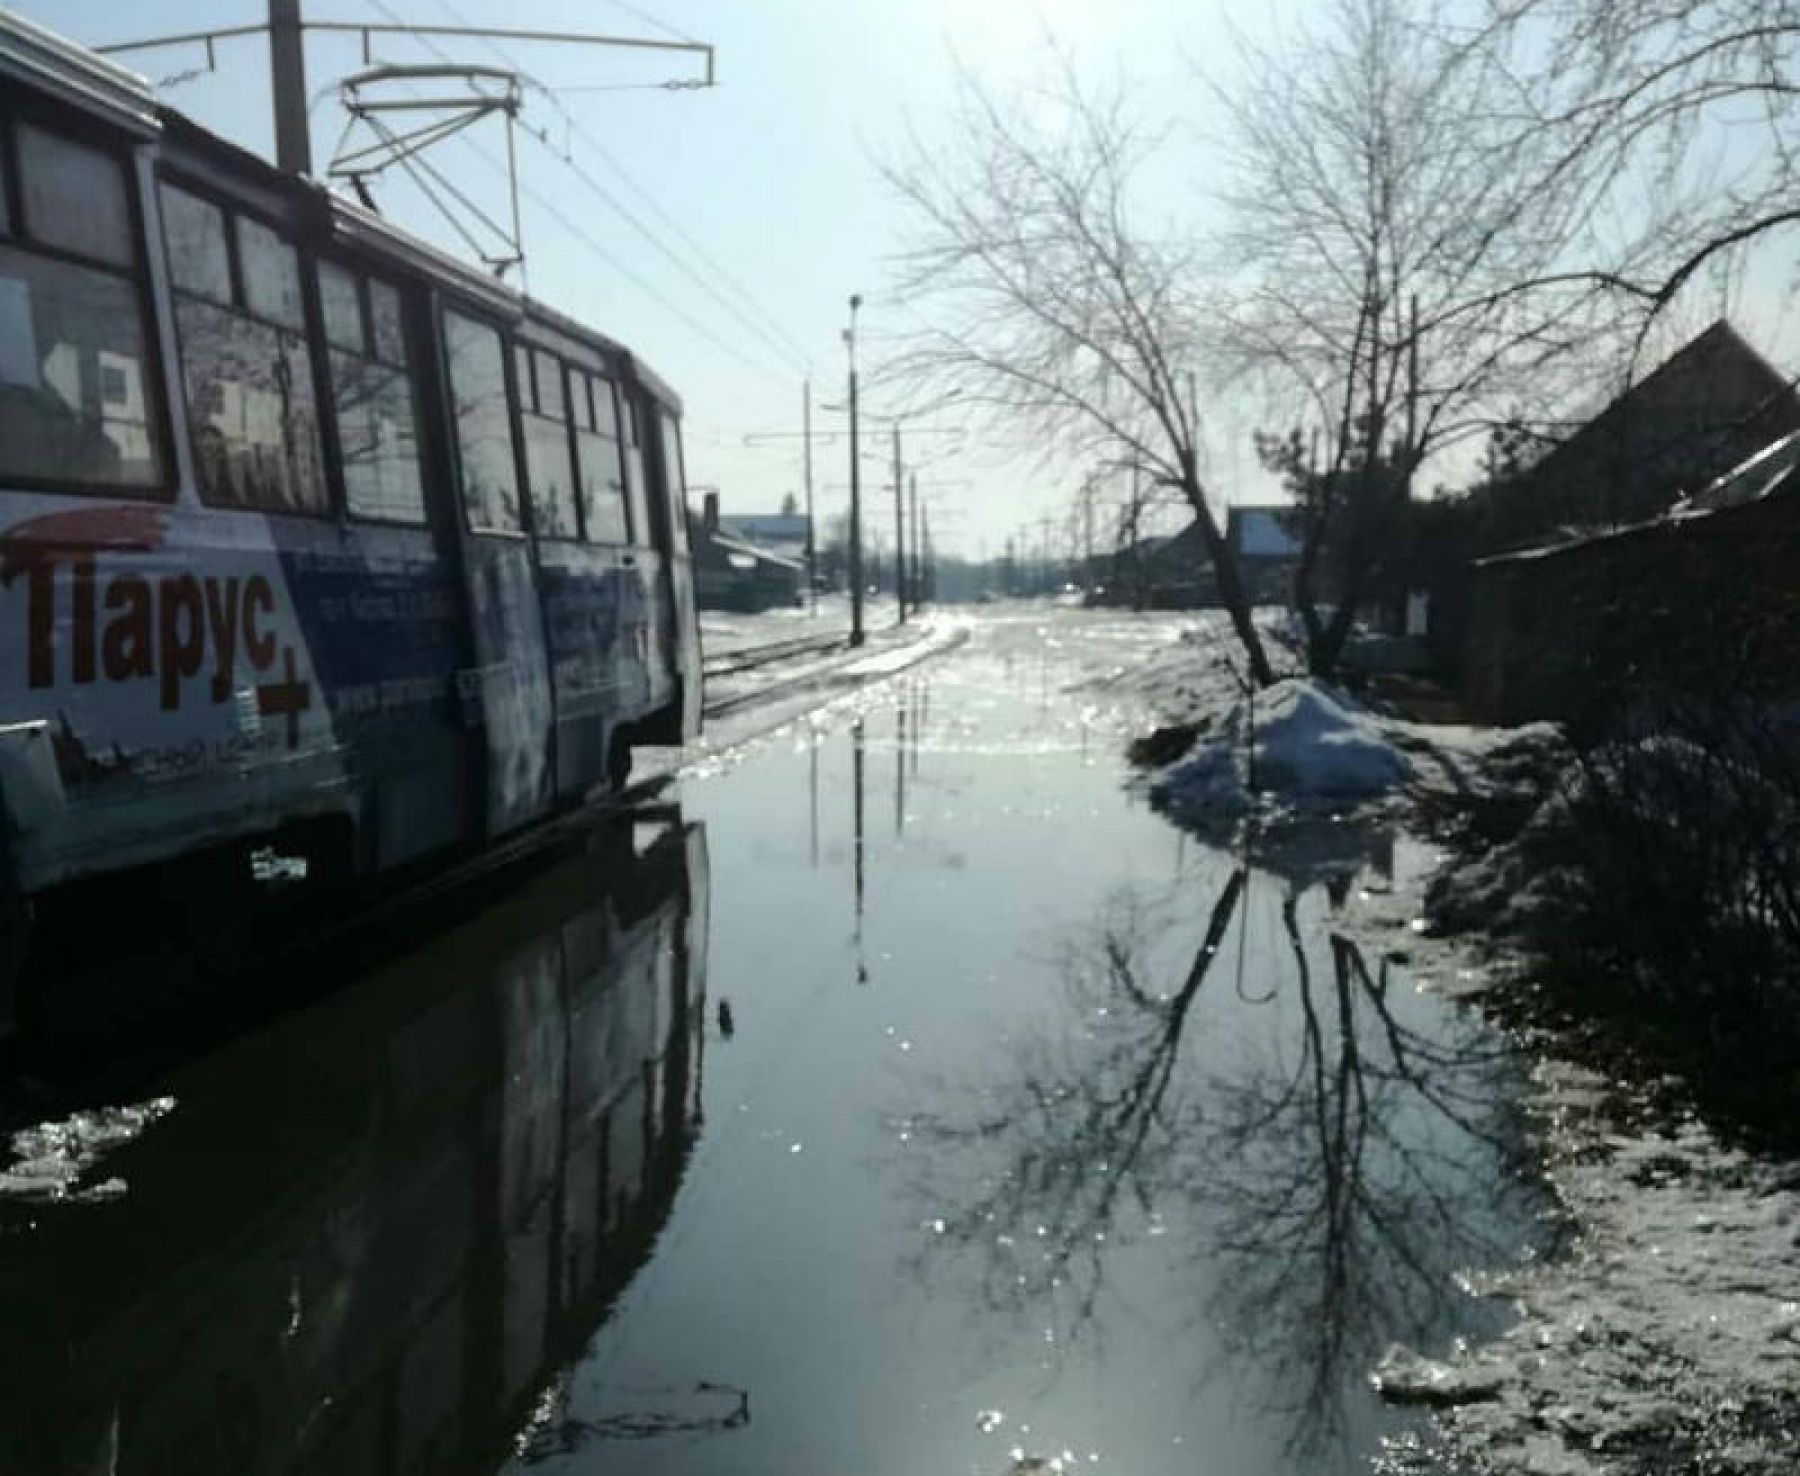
point(1316, 747)
point(1299, 740)
point(1667, 1339)
point(1665, 1335)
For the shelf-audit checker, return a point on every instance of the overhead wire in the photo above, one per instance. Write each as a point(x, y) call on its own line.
point(637, 12)
point(587, 239)
point(737, 300)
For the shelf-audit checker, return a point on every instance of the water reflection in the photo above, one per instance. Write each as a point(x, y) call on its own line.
point(368, 1237)
point(856, 802)
point(1316, 1148)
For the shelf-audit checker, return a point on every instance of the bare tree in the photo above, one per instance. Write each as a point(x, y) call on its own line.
point(1680, 120)
point(1050, 305)
point(1320, 1154)
point(1408, 270)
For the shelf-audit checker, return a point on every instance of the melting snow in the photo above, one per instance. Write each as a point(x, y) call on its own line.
point(48, 1160)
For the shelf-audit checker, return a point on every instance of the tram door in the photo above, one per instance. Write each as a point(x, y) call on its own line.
point(681, 574)
point(507, 690)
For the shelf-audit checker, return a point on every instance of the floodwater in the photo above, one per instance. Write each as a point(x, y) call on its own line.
point(915, 1101)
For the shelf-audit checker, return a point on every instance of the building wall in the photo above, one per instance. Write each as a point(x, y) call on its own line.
point(1696, 607)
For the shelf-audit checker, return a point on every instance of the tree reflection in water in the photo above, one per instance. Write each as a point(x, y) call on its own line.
point(1318, 1147)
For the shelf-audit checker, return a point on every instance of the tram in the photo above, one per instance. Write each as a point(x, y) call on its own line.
point(312, 538)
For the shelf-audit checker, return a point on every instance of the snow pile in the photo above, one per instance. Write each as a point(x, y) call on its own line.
point(1667, 1340)
point(1311, 739)
point(1300, 740)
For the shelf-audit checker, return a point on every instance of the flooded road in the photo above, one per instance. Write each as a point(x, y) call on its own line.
point(916, 1101)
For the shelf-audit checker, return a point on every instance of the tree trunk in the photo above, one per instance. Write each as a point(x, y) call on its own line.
point(1225, 570)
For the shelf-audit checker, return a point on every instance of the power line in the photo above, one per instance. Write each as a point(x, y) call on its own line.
point(637, 12)
point(581, 234)
point(770, 330)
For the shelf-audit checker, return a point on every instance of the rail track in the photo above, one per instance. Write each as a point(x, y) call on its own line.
point(730, 663)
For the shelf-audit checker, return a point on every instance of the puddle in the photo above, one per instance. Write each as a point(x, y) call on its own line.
point(944, 1111)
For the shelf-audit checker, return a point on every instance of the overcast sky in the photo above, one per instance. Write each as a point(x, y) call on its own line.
point(770, 175)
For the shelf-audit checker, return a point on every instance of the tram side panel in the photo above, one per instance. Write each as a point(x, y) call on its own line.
point(268, 553)
point(595, 559)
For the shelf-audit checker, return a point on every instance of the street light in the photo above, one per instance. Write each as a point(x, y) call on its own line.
point(856, 587)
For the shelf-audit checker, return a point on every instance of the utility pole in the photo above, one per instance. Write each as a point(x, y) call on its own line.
point(1087, 541)
point(917, 581)
point(899, 532)
point(287, 75)
point(812, 548)
point(856, 589)
point(930, 562)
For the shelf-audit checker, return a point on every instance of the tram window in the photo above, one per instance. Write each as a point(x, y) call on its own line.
point(271, 272)
point(676, 470)
point(550, 388)
point(384, 311)
point(74, 197)
point(77, 400)
point(633, 443)
point(340, 300)
point(602, 472)
point(490, 482)
point(371, 396)
point(248, 373)
point(199, 259)
point(548, 471)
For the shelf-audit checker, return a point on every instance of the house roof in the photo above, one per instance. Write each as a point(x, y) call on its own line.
point(742, 555)
point(769, 527)
point(1773, 471)
point(1263, 533)
point(1769, 471)
point(1708, 404)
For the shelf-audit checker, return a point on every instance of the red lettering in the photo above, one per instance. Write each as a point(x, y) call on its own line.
point(125, 644)
point(222, 619)
point(259, 644)
point(40, 623)
point(81, 633)
point(181, 634)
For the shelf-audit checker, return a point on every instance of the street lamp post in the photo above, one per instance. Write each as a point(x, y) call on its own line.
point(856, 575)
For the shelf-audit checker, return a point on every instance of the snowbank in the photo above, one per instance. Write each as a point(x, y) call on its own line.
point(1667, 1340)
point(1299, 742)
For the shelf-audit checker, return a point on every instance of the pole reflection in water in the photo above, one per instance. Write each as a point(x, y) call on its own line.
point(900, 750)
point(1318, 1148)
point(856, 804)
point(812, 801)
point(371, 1236)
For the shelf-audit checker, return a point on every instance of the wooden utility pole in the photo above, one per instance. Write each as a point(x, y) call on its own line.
point(287, 76)
point(918, 568)
point(856, 570)
point(812, 548)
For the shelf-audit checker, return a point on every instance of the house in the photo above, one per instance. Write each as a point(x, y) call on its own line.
point(781, 533)
point(1709, 407)
point(732, 573)
point(1266, 541)
point(1176, 573)
point(1703, 601)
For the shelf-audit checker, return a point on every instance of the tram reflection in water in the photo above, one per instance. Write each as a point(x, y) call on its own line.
point(370, 1237)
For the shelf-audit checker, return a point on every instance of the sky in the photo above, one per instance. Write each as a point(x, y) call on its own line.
point(760, 194)
point(719, 232)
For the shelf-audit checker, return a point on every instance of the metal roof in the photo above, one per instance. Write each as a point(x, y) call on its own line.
point(50, 63)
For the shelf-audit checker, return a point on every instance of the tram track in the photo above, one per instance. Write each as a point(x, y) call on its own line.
point(749, 658)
